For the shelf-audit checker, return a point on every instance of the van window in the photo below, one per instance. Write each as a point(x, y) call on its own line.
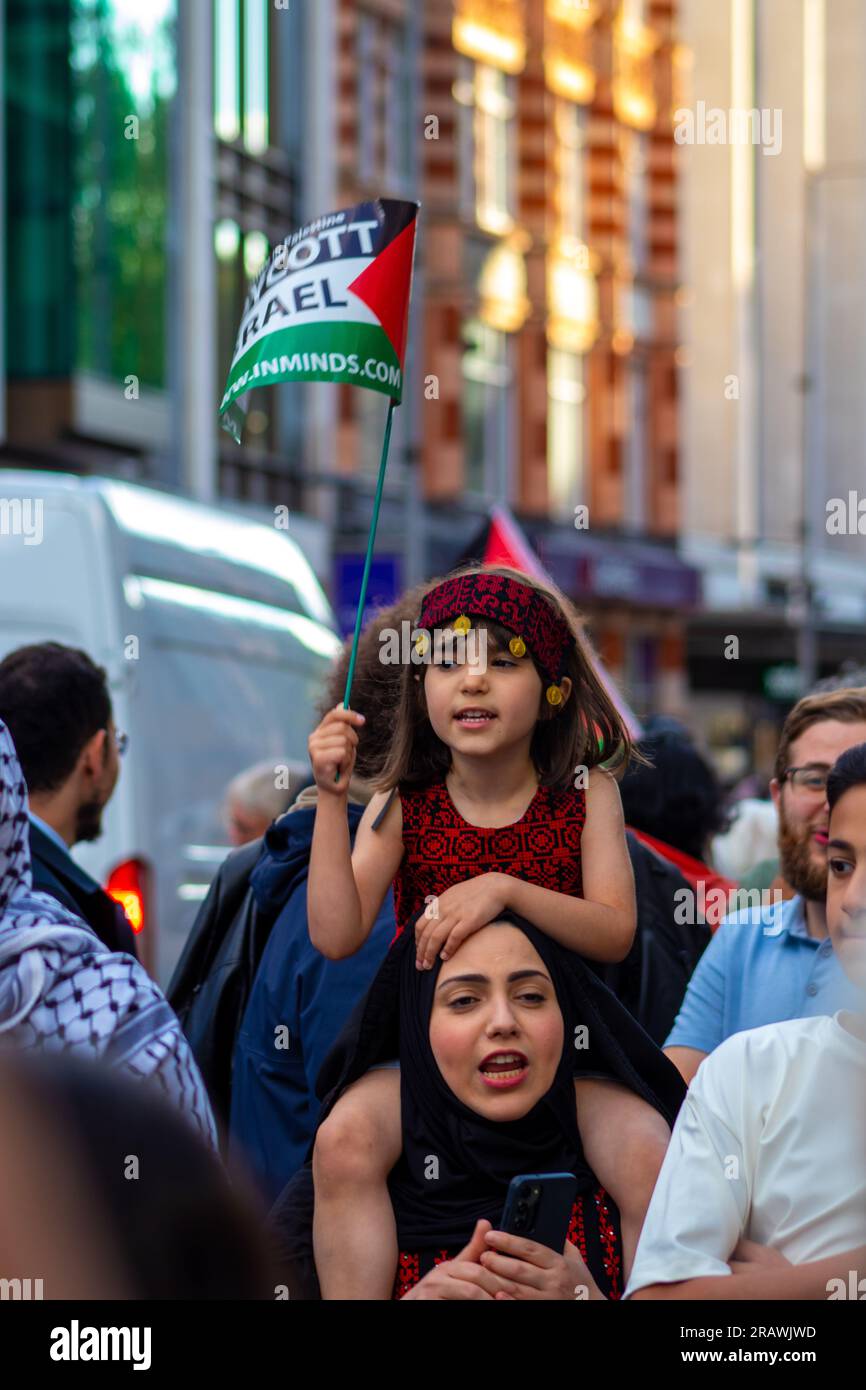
point(206, 716)
point(219, 683)
point(201, 717)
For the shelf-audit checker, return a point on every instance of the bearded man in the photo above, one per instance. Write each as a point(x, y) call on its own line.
point(775, 961)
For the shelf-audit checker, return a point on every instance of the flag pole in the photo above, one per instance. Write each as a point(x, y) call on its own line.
point(368, 561)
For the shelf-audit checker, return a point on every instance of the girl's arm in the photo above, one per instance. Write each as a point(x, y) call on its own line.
point(345, 890)
point(602, 923)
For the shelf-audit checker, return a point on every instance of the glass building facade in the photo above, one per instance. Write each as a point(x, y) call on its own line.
point(123, 80)
point(89, 86)
point(94, 107)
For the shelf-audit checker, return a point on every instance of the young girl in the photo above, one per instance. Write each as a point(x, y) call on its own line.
point(492, 798)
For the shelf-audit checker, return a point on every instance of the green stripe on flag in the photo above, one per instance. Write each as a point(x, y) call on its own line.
point(359, 353)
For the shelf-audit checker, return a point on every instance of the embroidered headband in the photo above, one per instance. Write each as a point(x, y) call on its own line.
point(521, 608)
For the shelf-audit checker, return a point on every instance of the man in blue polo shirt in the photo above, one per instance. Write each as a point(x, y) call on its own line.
point(776, 962)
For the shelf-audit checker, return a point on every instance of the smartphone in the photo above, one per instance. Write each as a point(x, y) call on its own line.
point(538, 1206)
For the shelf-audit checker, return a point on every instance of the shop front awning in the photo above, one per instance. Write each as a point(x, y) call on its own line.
point(625, 571)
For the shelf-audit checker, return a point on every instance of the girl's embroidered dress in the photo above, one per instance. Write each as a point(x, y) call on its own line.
point(442, 849)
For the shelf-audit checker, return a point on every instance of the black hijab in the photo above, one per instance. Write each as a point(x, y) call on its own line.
point(474, 1158)
point(477, 1157)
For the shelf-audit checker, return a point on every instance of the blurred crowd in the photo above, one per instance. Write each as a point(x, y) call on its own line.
point(317, 1106)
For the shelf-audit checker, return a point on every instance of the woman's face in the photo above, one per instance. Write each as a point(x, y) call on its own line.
point(496, 1027)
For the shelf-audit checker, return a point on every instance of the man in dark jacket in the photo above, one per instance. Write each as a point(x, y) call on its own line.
point(56, 704)
point(258, 1005)
point(298, 1005)
point(653, 978)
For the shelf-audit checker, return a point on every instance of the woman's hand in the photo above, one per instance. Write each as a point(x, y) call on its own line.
point(463, 1277)
point(332, 747)
point(535, 1271)
point(456, 914)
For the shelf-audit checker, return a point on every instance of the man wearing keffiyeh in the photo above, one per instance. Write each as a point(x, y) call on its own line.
point(62, 991)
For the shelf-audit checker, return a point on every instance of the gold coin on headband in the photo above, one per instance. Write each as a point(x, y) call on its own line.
point(554, 695)
point(517, 646)
point(421, 643)
point(462, 624)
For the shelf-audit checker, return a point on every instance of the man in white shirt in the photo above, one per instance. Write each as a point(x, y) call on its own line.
point(762, 1193)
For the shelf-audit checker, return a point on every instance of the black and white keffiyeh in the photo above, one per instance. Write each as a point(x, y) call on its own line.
point(62, 991)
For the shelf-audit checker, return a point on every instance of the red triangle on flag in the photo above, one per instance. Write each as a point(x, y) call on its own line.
point(384, 287)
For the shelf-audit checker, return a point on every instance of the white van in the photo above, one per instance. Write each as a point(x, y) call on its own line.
point(216, 636)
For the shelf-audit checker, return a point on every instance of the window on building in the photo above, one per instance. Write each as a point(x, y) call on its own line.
point(367, 97)
point(487, 377)
point(256, 125)
point(487, 148)
point(571, 180)
point(230, 287)
point(258, 93)
point(227, 73)
point(565, 403)
point(635, 161)
point(398, 113)
point(239, 258)
point(124, 76)
point(240, 85)
point(385, 102)
point(634, 499)
point(633, 13)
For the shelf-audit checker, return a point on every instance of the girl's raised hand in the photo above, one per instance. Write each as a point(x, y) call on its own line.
point(332, 747)
point(456, 914)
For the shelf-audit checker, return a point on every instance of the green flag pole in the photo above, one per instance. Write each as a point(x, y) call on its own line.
point(368, 561)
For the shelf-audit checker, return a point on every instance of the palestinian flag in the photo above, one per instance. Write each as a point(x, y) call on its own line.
point(331, 304)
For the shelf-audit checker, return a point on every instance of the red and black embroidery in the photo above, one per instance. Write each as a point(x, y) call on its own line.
point(594, 1229)
point(408, 1273)
point(576, 1229)
point(521, 608)
point(606, 1241)
point(442, 849)
point(610, 1243)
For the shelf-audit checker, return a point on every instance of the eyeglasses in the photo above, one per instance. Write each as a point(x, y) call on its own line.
point(807, 779)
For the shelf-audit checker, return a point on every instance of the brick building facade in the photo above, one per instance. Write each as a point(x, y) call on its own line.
point(546, 371)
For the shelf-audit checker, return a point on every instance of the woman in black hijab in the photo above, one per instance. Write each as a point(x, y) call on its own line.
point(487, 1068)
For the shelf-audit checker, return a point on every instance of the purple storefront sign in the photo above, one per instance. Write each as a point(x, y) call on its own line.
point(607, 570)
